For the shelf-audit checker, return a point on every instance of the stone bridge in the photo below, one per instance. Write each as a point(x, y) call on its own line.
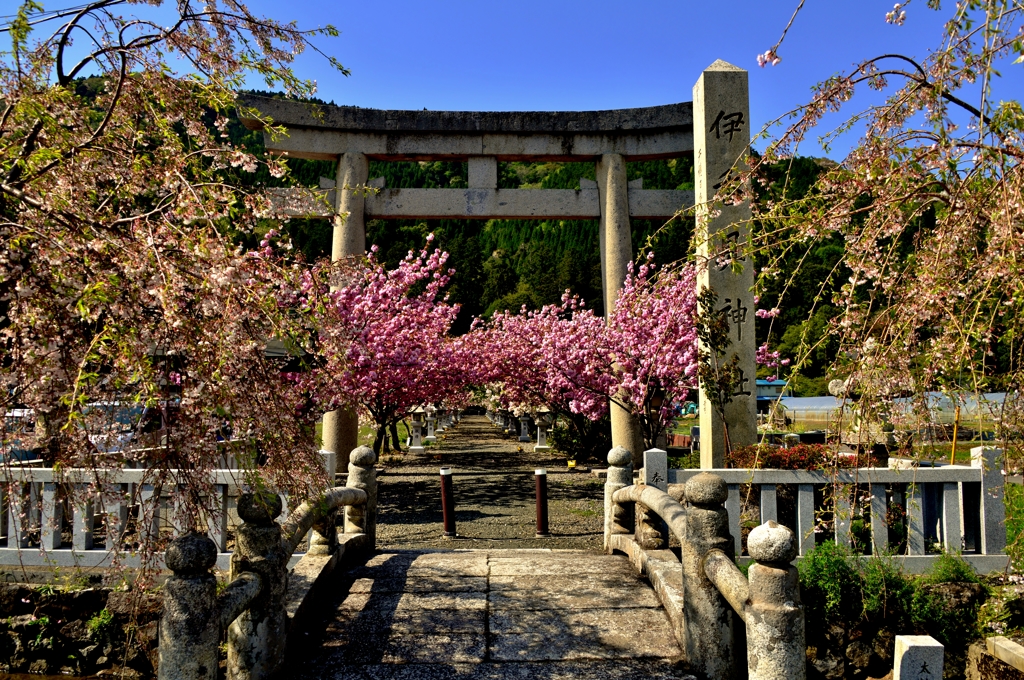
point(493, 614)
point(639, 609)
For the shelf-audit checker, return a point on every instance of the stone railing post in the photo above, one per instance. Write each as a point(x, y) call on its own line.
point(618, 519)
point(190, 625)
point(258, 637)
point(993, 512)
point(776, 646)
point(363, 475)
point(194, 615)
point(708, 617)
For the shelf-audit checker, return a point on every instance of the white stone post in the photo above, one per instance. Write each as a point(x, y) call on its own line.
point(431, 437)
point(330, 465)
point(417, 442)
point(651, 530)
point(721, 136)
point(524, 429)
point(542, 438)
point(341, 427)
point(917, 657)
point(616, 254)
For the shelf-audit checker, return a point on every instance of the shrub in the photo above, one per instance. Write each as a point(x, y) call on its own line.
point(831, 587)
point(888, 593)
point(951, 620)
point(582, 439)
point(951, 568)
point(799, 457)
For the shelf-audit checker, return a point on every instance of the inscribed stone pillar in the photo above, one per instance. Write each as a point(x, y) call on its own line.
point(616, 254)
point(721, 135)
point(341, 427)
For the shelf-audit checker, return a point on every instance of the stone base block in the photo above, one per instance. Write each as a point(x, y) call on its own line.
point(984, 662)
point(541, 449)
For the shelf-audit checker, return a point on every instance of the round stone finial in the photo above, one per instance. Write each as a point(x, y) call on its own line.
point(259, 508)
point(362, 456)
point(620, 456)
point(706, 489)
point(772, 543)
point(191, 554)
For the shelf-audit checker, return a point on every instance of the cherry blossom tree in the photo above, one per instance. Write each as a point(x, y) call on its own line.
point(119, 282)
point(568, 359)
point(383, 338)
point(556, 356)
point(927, 208)
point(653, 338)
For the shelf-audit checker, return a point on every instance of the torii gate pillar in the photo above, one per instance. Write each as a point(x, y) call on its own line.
point(721, 136)
point(341, 427)
point(616, 254)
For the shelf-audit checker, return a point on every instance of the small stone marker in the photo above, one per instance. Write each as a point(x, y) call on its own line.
point(655, 472)
point(524, 429)
point(417, 442)
point(918, 657)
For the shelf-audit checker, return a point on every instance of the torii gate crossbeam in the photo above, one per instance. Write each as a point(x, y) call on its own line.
point(717, 139)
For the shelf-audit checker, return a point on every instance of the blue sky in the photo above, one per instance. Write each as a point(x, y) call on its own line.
point(599, 54)
point(491, 55)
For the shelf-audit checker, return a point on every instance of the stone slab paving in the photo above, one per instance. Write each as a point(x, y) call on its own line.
point(491, 615)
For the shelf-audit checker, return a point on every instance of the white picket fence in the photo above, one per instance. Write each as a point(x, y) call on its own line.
point(956, 506)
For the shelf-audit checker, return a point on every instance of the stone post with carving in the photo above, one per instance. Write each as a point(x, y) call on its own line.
point(721, 136)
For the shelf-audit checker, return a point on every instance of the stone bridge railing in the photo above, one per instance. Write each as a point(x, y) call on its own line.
point(704, 591)
point(263, 598)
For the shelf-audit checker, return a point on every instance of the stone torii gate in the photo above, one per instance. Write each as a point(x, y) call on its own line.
point(714, 128)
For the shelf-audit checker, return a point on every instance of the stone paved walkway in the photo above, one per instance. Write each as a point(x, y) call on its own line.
point(494, 495)
point(491, 614)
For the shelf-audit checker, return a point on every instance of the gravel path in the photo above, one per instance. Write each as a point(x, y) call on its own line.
point(494, 495)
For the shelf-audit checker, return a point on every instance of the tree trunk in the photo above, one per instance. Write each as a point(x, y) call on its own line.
point(394, 437)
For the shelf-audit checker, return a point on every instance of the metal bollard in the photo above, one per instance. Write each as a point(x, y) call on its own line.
point(542, 504)
point(447, 502)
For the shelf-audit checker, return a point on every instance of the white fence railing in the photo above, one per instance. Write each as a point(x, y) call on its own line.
point(958, 507)
point(98, 507)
